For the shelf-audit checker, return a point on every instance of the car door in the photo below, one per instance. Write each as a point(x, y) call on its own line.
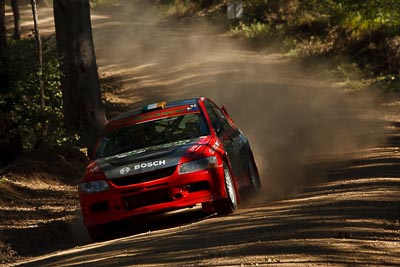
point(240, 146)
point(229, 136)
point(241, 143)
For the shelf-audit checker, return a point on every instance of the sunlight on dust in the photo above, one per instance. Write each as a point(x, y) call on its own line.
point(288, 113)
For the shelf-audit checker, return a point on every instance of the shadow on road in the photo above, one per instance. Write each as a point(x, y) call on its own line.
point(349, 219)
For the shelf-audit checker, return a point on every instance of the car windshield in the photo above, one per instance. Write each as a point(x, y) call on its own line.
point(151, 133)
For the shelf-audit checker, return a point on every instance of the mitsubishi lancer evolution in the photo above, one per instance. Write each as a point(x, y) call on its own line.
point(167, 156)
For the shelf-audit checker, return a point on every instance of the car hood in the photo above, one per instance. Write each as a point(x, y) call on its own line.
point(150, 158)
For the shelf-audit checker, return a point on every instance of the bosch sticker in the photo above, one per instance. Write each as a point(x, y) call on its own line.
point(149, 164)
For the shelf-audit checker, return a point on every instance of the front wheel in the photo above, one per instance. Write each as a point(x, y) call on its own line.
point(97, 232)
point(229, 204)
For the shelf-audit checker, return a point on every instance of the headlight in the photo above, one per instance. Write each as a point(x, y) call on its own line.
point(93, 187)
point(198, 165)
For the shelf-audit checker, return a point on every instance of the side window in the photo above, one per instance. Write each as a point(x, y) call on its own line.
point(222, 117)
point(211, 113)
point(217, 117)
point(193, 125)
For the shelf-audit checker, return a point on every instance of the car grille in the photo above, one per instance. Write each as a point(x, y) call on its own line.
point(143, 177)
point(146, 199)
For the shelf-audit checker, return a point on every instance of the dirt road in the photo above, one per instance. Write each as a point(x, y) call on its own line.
point(329, 158)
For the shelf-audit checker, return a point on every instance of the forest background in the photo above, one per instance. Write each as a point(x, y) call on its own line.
point(359, 41)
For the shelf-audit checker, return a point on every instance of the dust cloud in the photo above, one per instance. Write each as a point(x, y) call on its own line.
point(289, 115)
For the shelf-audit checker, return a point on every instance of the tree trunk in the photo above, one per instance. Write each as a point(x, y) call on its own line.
point(17, 19)
point(3, 30)
point(80, 85)
point(43, 131)
point(10, 137)
point(4, 79)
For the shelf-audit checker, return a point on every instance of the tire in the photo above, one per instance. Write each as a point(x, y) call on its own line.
point(97, 232)
point(207, 208)
point(255, 183)
point(229, 204)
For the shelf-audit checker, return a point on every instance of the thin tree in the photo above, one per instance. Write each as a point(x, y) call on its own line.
point(17, 19)
point(4, 79)
point(3, 30)
point(80, 84)
point(43, 133)
point(3, 43)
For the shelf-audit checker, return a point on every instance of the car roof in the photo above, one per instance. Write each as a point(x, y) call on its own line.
point(171, 104)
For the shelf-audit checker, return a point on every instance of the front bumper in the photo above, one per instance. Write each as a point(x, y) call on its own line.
point(161, 195)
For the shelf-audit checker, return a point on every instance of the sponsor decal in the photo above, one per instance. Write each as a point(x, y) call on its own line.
point(134, 152)
point(156, 115)
point(192, 107)
point(216, 145)
point(149, 164)
point(124, 170)
point(194, 148)
point(173, 144)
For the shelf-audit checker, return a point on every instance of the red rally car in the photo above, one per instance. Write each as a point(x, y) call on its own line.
point(163, 157)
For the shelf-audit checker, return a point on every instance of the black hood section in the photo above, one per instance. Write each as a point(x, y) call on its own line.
point(142, 156)
point(146, 159)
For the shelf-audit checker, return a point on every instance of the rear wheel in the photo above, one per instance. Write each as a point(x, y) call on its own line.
point(229, 204)
point(255, 183)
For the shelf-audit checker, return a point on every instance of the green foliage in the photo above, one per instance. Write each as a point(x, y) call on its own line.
point(179, 8)
point(264, 33)
point(21, 98)
point(367, 32)
point(256, 30)
point(356, 18)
